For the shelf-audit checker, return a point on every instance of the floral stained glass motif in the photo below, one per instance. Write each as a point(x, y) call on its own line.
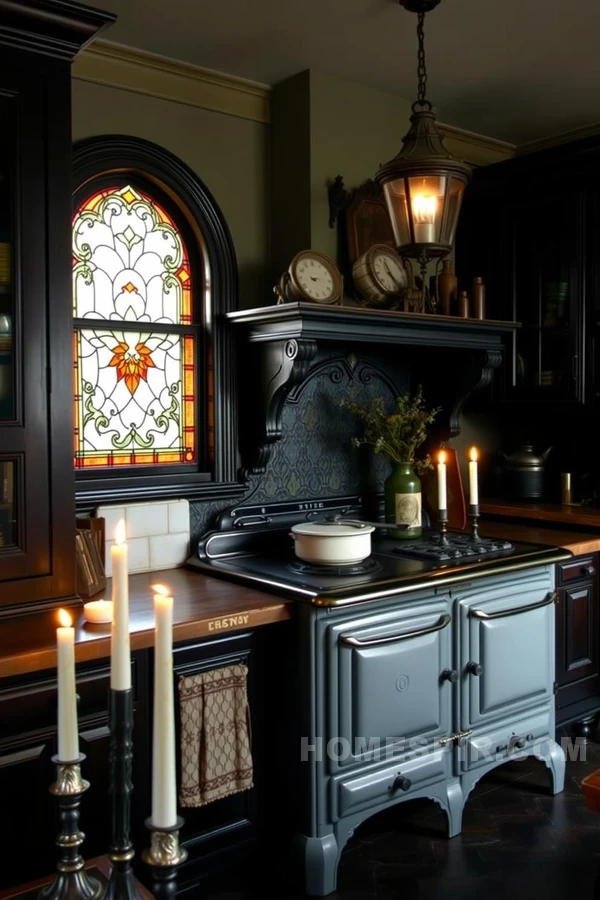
point(129, 261)
point(134, 398)
point(134, 377)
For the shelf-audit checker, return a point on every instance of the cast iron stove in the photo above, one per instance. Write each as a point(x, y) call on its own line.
point(252, 545)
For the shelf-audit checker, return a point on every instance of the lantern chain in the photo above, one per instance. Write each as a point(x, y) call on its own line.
point(421, 68)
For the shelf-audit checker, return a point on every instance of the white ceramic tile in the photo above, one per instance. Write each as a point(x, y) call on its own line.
point(139, 555)
point(145, 519)
point(112, 515)
point(168, 551)
point(179, 517)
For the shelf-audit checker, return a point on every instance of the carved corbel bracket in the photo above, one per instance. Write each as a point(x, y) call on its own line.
point(474, 373)
point(284, 366)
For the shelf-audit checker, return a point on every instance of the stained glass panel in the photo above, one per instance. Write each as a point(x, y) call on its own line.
point(130, 262)
point(134, 398)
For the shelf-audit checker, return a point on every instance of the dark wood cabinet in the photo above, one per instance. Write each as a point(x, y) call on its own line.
point(577, 640)
point(27, 745)
point(227, 827)
point(37, 506)
point(219, 837)
point(529, 227)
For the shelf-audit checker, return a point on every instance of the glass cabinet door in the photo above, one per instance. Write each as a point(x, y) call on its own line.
point(548, 298)
point(7, 402)
point(25, 540)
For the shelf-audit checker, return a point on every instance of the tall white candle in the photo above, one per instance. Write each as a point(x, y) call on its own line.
point(164, 785)
point(120, 655)
point(68, 737)
point(473, 484)
point(442, 495)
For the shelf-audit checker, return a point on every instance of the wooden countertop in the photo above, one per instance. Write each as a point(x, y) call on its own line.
point(543, 512)
point(579, 543)
point(203, 607)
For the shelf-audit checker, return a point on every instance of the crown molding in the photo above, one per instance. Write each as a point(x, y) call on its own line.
point(477, 149)
point(118, 66)
point(564, 137)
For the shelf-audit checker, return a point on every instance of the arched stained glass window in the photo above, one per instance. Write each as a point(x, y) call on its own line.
point(135, 347)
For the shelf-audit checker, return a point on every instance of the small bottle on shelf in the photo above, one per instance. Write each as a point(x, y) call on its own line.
point(478, 298)
point(463, 305)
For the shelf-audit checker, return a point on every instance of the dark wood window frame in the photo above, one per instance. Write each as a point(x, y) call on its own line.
point(95, 159)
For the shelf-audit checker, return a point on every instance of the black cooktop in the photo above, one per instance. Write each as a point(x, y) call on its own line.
point(391, 569)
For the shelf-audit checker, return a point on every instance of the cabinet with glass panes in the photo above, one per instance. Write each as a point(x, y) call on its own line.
point(525, 228)
point(37, 504)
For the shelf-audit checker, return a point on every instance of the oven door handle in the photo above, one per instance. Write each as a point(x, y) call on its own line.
point(442, 622)
point(548, 601)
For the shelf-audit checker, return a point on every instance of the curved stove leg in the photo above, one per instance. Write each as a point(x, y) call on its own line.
point(552, 755)
point(320, 857)
point(454, 808)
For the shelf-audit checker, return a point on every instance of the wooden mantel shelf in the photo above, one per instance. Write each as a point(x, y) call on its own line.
point(286, 338)
point(309, 321)
point(203, 607)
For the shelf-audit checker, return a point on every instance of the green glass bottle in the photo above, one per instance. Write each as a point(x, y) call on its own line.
point(402, 493)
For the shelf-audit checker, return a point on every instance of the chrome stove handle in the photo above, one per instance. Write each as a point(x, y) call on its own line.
point(552, 597)
point(442, 622)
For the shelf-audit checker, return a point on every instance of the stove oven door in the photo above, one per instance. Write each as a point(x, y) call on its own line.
point(388, 687)
point(506, 656)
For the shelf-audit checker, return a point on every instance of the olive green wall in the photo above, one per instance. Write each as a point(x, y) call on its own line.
point(353, 129)
point(229, 154)
point(324, 126)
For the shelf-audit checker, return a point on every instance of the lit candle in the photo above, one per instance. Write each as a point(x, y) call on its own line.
point(442, 495)
point(99, 612)
point(164, 787)
point(120, 657)
point(424, 209)
point(68, 738)
point(473, 486)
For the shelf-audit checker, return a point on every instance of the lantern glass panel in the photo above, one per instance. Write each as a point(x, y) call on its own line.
point(397, 204)
point(454, 197)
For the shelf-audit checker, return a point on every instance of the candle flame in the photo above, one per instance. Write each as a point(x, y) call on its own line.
point(473, 454)
point(64, 619)
point(424, 209)
point(442, 456)
point(161, 589)
point(120, 533)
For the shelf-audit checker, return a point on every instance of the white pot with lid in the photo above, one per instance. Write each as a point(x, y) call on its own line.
point(332, 545)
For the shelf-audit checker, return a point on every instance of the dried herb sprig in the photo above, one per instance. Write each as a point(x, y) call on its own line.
point(397, 434)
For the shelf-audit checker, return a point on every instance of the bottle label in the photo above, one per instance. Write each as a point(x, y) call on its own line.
point(408, 510)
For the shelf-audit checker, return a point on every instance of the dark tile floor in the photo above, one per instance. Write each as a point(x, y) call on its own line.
point(518, 841)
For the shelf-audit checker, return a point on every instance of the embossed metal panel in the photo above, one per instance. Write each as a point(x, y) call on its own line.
point(507, 648)
point(386, 691)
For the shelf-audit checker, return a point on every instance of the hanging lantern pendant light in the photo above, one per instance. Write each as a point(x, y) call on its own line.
point(424, 184)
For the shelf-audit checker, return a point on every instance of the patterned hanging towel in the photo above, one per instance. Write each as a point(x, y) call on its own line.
point(216, 760)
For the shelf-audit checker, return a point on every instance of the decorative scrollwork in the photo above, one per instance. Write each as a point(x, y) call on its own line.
point(68, 780)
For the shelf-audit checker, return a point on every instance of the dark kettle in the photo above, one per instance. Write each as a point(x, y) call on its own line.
point(524, 472)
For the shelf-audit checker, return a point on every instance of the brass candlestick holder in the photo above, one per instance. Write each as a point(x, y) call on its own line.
point(164, 855)
point(122, 884)
point(474, 517)
point(71, 882)
point(443, 523)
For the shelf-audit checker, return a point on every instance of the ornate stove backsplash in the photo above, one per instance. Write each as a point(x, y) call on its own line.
point(314, 457)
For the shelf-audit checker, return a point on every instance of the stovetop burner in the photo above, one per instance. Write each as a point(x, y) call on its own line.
point(367, 566)
point(458, 547)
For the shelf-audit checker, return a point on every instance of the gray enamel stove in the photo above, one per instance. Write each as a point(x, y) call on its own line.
point(415, 675)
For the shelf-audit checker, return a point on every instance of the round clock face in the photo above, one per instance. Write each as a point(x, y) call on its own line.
point(389, 271)
point(316, 276)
